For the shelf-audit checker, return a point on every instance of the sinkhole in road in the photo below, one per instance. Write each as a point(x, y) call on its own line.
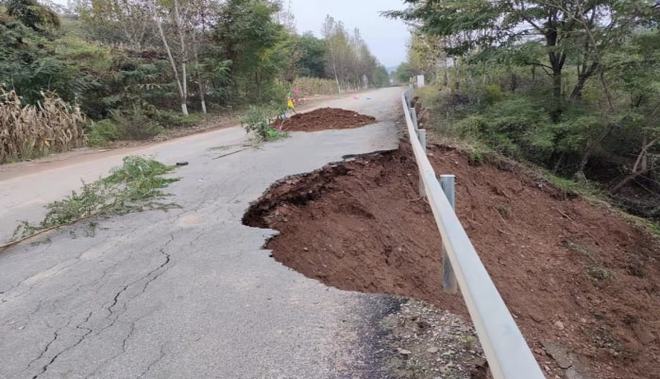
point(557, 259)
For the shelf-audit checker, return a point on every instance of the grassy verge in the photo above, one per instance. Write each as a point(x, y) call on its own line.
point(135, 186)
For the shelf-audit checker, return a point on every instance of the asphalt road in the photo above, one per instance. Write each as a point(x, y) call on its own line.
point(188, 292)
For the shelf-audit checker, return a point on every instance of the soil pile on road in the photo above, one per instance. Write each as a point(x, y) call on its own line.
point(324, 119)
point(581, 281)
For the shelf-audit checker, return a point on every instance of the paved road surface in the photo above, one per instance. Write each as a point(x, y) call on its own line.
point(187, 293)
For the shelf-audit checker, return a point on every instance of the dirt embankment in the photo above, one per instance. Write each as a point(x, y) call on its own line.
point(581, 281)
point(324, 119)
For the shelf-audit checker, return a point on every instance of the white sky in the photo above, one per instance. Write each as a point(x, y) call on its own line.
point(386, 38)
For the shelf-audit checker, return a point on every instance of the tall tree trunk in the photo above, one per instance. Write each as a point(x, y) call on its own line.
point(641, 166)
point(582, 80)
point(557, 60)
point(182, 95)
point(200, 81)
point(334, 69)
point(184, 58)
point(556, 95)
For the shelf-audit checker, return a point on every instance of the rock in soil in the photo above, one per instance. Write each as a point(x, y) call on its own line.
point(433, 343)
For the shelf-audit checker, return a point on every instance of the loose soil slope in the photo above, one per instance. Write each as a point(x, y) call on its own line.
point(325, 118)
point(577, 277)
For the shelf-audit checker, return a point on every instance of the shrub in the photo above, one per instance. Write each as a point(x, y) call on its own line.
point(258, 120)
point(134, 124)
point(171, 119)
point(493, 93)
point(102, 132)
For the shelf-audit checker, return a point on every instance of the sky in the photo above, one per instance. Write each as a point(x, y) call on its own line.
point(386, 38)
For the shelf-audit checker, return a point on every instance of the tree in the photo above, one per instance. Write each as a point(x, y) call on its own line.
point(578, 31)
point(127, 22)
point(336, 42)
point(182, 78)
point(312, 58)
point(33, 15)
point(255, 43)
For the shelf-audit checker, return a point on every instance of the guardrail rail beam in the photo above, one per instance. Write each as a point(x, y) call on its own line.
point(507, 353)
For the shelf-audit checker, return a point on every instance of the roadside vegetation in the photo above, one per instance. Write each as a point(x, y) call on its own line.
point(135, 69)
point(573, 87)
point(135, 186)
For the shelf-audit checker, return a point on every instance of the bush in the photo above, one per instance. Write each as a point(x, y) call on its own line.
point(103, 132)
point(493, 94)
point(258, 120)
point(172, 119)
point(134, 124)
point(514, 127)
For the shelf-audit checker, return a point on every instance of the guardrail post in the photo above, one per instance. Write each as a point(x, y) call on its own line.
point(421, 134)
point(413, 116)
point(448, 184)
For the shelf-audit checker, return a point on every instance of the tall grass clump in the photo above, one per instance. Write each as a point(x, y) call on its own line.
point(303, 87)
point(30, 131)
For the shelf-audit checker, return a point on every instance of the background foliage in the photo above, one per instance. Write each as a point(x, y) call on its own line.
point(573, 86)
point(138, 67)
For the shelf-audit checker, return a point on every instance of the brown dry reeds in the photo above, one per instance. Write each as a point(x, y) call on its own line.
point(29, 131)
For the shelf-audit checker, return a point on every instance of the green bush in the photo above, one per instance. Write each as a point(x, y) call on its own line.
point(103, 132)
point(172, 119)
point(134, 124)
point(258, 120)
point(514, 127)
point(493, 93)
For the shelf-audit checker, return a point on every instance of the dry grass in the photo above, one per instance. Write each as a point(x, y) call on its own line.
point(304, 87)
point(29, 131)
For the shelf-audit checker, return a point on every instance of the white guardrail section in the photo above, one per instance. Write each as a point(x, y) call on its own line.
point(507, 353)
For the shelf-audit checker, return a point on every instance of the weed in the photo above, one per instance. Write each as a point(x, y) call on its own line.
point(599, 273)
point(258, 120)
point(135, 186)
point(503, 210)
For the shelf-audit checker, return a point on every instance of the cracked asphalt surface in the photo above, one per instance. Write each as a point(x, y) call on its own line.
point(187, 292)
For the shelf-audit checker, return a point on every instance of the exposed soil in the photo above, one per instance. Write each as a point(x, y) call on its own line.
point(581, 281)
point(325, 118)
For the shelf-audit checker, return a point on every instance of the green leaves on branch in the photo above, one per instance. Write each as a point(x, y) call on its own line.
point(258, 121)
point(135, 186)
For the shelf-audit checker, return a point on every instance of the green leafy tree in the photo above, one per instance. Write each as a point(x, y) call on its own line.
point(33, 15)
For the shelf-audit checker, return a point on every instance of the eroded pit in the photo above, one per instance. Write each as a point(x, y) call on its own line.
point(324, 119)
point(579, 278)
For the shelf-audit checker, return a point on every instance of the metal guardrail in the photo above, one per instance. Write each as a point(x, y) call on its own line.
point(507, 353)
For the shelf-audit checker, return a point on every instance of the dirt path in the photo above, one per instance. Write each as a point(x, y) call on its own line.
point(581, 281)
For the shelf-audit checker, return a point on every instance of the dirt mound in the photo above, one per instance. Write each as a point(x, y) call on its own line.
point(578, 278)
point(325, 118)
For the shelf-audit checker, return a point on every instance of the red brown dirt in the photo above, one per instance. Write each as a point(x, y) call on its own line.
point(324, 119)
point(573, 273)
